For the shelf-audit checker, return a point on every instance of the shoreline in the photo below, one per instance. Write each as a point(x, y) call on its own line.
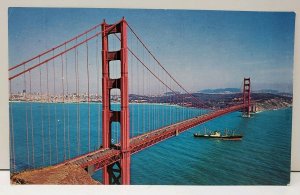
point(274, 109)
point(260, 107)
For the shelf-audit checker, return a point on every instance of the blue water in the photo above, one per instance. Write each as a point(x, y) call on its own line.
point(261, 158)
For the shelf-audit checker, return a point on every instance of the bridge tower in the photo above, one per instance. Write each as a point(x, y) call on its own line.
point(246, 97)
point(118, 172)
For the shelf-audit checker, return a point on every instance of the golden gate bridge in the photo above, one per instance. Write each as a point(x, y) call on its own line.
point(60, 130)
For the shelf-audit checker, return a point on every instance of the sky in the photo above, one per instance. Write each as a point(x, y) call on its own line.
point(201, 49)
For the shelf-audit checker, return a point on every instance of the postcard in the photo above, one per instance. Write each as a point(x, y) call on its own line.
point(150, 96)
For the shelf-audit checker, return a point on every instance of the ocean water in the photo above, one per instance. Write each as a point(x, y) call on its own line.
point(262, 157)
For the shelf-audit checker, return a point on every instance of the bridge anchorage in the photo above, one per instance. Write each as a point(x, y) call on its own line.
point(181, 110)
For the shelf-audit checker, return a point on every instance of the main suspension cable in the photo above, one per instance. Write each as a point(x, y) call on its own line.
point(161, 64)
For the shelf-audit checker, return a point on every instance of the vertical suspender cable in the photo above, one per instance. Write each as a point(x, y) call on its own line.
point(31, 117)
point(147, 97)
point(98, 90)
point(183, 106)
point(55, 102)
point(166, 104)
point(49, 126)
point(42, 116)
point(189, 110)
point(143, 91)
point(88, 79)
point(155, 106)
point(68, 113)
point(158, 116)
point(162, 91)
point(157, 102)
point(10, 130)
point(170, 105)
point(138, 94)
point(26, 116)
point(12, 135)
point(150, 103)
point(63, 104)
point(131, 110)
point(77, 100)
point(131, 89)
point(164, 88)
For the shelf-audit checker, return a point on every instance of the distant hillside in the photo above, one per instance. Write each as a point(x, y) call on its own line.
point(264, 101)
point(267, 91)
point(221, 91)
point(237, 90)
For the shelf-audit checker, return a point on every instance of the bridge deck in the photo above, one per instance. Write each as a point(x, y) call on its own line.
point(96, 160)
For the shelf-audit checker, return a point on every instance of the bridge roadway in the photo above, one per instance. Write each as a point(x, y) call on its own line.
point(96, 160)
point(71, 171)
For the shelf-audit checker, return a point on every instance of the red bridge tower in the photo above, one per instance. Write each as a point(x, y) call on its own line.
point(118, 172)
point(246, 97)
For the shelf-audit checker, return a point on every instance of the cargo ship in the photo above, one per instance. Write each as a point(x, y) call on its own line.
point(218, 135)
